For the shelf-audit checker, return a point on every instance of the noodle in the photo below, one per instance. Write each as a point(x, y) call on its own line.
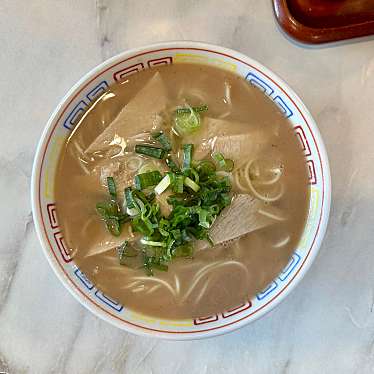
point(238, 183)
point(130, 285)
point(153, 289)
point(177, 284)
point(160, 281)
point(138, 289)
point(276, 178)
point(224, 114)
point(202, 292)
point(272, 215)
point(227, 98)
point(204, 271)
point(282, 242)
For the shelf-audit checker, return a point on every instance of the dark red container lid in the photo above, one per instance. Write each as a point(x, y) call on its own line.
point(323, 21)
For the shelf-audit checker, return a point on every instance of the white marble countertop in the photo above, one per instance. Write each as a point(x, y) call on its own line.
point(325, 326)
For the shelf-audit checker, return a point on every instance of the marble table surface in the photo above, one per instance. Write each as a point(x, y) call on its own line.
point(325, 326)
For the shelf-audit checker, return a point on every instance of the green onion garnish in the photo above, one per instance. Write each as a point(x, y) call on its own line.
point(125, 250)
point(187, 122)
point(200, 194)
point(110, 212)
point(224, 163)
point(150, 151)
point(163, 140)
point(148, 179)
point(112, 188)
point(190, 183)
point(129, 198)
point(185, 250)
point(152, 243)
point(178, 184)
point(172, 165)
point(111, 215)
point(229, 165)
point(206, 168)
point(187, 155)
point(197, 109)
point(163, 185)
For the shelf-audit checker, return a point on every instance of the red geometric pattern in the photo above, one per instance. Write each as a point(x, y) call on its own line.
point(51, 208)
point(312, 172)
point(228, 313)
point(160, 61)
point(300, 134)
point(120, 75)
point(65, 252)
point(203, 320)
point(236, 310)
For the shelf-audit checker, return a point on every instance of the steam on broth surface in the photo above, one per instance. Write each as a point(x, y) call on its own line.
point(254, 236)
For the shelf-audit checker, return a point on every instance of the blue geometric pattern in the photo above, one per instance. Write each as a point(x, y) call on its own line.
point(99, 295)
point(290, 267)
point(108, 301)
point(259, 83)
point(77, 112)
point(268, 90)
point(75, 115)
point(97, 91)
point(285, 109)
point(268, 290)
point(283, 276)
point(82, 277)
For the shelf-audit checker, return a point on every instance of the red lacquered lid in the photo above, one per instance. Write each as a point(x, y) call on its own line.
point(322, 21)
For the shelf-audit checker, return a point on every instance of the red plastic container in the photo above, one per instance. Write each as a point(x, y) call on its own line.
point(322, 21)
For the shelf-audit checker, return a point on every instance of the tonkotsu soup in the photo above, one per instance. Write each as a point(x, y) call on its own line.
point(182, 191)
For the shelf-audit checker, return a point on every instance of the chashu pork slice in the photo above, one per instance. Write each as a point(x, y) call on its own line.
point(140, 115)
point(234, 140)
point(241, 217)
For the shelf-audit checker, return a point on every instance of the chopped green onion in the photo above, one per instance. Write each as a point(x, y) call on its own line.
point(193, 174)
point(150, 151)
point(190, 183)
point(185, 250)
point(178, 184)
point(132, 212)
point(206, 168)
point(220, 159)
point(200, 195)
point(148, 179)
point(187, 122)
point(177, 234)
point(113, 226)
point(112, 188)
point(197, 109)
point(112, 216)
point(129, 198)
point(125, 250)
point(187, 155)
point(163, 140)
point(163, 184)
point(204, 215)
point(172, 165)
point(152, 243)
point(224, 163)
point(229, 165)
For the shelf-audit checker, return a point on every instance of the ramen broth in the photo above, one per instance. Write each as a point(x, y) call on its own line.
point(269, 167)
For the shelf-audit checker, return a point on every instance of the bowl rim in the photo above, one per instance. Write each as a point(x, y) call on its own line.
point(192, 45)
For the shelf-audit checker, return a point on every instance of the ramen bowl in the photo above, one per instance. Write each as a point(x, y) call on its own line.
point(76, 103)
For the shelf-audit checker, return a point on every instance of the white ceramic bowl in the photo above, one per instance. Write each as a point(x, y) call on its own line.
point(76, 102)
